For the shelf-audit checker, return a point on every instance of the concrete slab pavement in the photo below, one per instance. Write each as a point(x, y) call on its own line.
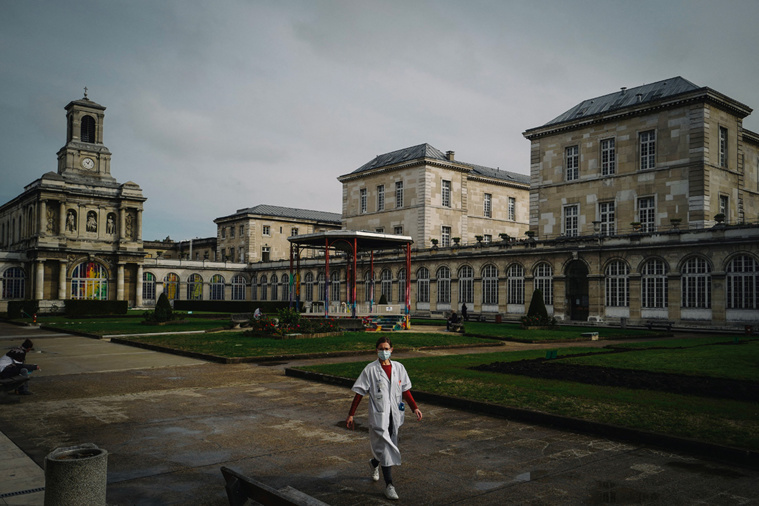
point(169, 427)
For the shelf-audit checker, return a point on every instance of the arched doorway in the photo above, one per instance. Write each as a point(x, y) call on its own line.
point(577, 291)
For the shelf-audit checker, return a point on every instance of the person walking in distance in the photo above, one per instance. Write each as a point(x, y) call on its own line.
point(387, 384)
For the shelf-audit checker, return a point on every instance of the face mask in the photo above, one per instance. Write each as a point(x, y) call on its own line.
point(383, 354)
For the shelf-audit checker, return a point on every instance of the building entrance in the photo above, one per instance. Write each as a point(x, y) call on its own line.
point(577, 291)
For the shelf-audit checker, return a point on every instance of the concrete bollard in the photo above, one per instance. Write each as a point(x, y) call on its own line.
point(76, 475)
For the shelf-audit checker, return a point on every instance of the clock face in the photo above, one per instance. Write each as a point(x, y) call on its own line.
point(88, 163)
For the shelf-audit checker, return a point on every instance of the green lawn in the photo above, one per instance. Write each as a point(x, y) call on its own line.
point(127, 325)
point(718, 421)
point(236, 344)
point(515, 332)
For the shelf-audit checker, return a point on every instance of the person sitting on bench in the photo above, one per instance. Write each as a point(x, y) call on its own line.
point(12, 364)
point(454, 319)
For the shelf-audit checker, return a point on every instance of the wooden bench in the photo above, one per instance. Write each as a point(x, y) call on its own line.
point(456, 327)
point(12, 383)
point(665, 324)
point(241, 488)
point(239, 319)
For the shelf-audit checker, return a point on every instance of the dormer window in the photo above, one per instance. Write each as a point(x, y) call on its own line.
point(88, 129)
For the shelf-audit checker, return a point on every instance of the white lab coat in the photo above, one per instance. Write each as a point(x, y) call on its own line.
point(385, 396)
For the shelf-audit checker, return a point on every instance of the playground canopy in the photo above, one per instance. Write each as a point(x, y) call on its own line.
point(352, 243)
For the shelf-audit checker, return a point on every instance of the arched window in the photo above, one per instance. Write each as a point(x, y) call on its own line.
point(515, 284)
point(309, 281)
point(466, 285)
point(285, 280)
point(217, 287)
point(490, 285)
point(254, 288)
point(148, 287)
point(402, 285)
point(87, 129)
point(264, 287)
point(368, 287)
point(171, 286)
point(334, 294)
point(423, 285)
point(696, 283)
point(386, 284)
point(443, 285)
point(654, 285)
point(321, 286)
point(238, 287)
point(743, 283)
point(274, 287)
point(543, 281)
point(89, 280)
point(617, 284)
point(195, 287)
point(14, 283)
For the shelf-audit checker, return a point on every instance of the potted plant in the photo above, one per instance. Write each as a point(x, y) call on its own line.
point(675, 222)
point(504, 236)
point(635, 225)
point(456, 241)
point(719, 218)
point(434, 242)
point(530, 234)
point(478, 238)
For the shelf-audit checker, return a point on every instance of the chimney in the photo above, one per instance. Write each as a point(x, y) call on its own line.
point(450, 155)
point(639, 96)
point(624, 89)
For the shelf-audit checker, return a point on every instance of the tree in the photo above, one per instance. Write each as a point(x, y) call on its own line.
point(383, 300)
point(537, 314)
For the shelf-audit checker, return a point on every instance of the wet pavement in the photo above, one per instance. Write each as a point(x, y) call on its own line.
point(169, 423)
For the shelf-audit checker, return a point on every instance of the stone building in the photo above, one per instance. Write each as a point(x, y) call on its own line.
point(662, 155)
point(622, 206)
point(259, 233)
point(428, 195)
point(75, 233)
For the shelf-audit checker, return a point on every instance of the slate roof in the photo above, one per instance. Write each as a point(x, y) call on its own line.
point(624, 98)
point(291, 212)
point(426, 151)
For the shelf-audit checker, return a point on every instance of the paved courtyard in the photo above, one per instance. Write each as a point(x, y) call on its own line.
point(169, 423)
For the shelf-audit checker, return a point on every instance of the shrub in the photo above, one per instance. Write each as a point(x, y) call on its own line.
point(537, 314)
point(163, 310)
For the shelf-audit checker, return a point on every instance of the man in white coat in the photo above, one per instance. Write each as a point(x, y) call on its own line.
point(387, 384)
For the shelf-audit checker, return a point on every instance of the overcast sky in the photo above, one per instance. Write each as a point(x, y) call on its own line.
point(214, 106)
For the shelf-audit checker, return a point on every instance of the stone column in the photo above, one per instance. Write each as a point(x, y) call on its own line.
point(673, 296)
point(719, 297)
point(62, 219)
point(120, 282)
point(138, 227)
point(62, 289)
point(635, 294)
point(81, 226)
point(596, 294)
point(42, 218)
point(39, 280)
point(138, 290)
point(122, 223)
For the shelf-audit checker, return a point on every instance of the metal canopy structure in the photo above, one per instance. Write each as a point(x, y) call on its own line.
point(352, 243)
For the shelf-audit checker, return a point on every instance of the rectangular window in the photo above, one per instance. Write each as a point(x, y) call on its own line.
point(362, 200)
point(488, 206)
point(723, 147)
point(398, 194)
point(487, 238)
point(232, 232)
point(608, 157)
point(512, 208)
point(606, 216)
point(265, 253)
point(379, 230)
point(294, 231)
point(446, 194)
point(724, 206)
point(242, 230)
point(647, 214)
point(573, 162)
point(571, 220)
point(223, 232)
point(647, 150)
point(266, 230)
point(445, 237)
point(240, 254)
point(398, 230)
point(381, 197)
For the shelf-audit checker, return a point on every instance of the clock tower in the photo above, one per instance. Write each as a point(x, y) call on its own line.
point(84, 153)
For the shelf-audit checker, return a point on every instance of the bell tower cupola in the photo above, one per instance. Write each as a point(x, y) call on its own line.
point(84, 153)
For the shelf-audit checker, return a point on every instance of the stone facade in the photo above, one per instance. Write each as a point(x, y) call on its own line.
point(427, 195)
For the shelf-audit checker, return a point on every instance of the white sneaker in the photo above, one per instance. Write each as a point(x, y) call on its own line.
point(390, 493)
point(375, 471)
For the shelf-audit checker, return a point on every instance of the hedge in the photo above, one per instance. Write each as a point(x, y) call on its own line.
point(76, 307)
point(230, 306)
point(21, 308)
